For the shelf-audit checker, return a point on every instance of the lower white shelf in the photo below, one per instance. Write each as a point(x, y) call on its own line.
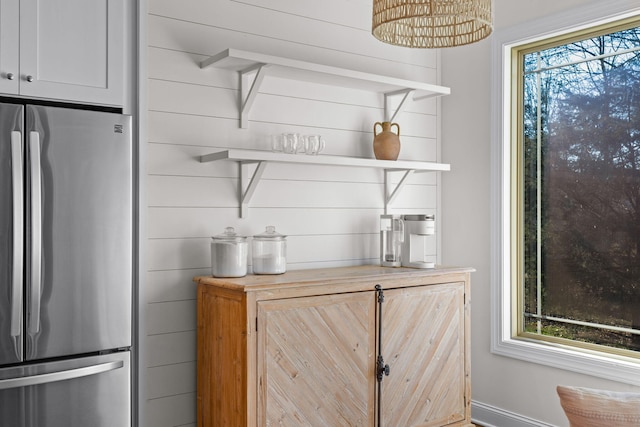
point(251, 156)
point(262, 158)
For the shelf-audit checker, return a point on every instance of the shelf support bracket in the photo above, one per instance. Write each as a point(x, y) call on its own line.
point(405, 93)
point(250, 81)
point(390, 196)
point(246, 194)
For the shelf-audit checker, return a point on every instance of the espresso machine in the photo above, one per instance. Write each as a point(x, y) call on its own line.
point(391, 239)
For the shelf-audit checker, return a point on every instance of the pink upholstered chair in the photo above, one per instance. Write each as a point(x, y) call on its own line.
point(586, 407)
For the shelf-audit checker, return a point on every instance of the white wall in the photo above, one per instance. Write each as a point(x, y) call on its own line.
point(523, 389)
point(329, 213)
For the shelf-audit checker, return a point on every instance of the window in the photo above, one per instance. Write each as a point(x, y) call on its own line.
point(577, 176)
point(566, 194)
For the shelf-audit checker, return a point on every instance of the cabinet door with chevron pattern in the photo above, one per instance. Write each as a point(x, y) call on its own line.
point(316, 361)
point(423, 342)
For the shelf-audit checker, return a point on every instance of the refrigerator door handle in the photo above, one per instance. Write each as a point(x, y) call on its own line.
point(60, 376)
point(18, 234)
point(36, 233)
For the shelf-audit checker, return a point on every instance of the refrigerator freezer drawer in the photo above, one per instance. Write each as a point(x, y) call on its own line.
point(90, 391)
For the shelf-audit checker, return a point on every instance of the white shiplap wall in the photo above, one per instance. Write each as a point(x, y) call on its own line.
point(330, 214)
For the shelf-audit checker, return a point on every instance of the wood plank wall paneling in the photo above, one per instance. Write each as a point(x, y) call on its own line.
point(330, 214)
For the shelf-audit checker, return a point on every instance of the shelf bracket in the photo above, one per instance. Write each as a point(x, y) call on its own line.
point(405, 93)
point(245, 194)
point(250, 81)
point(390, 196)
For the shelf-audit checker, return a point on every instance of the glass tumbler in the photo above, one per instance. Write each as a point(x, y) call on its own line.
point(290, 143)
point(314, 144)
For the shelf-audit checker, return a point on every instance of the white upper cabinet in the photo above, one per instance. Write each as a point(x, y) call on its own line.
point(9, 46)
point(70, 50)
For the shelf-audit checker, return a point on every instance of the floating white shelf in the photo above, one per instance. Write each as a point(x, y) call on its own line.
point(253, 67)
point(262, 158)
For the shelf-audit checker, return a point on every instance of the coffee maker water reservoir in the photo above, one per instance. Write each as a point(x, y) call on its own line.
point(391, 238)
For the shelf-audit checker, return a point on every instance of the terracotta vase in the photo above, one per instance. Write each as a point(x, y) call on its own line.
point(386, 144)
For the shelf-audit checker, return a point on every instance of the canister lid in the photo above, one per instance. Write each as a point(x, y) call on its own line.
point(230, 235)
point(270, 233)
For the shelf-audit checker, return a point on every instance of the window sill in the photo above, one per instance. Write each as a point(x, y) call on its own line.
point(558, 356)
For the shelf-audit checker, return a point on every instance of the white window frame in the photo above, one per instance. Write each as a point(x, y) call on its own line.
point(624, 370)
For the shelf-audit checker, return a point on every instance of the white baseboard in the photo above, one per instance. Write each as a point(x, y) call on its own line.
point(491, 416)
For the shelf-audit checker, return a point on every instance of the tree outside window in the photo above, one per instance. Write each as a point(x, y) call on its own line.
point(580, 195)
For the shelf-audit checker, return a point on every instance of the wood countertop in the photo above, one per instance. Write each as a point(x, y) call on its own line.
point(359, 278)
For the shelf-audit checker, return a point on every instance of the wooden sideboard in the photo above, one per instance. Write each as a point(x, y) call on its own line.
point(352, 346)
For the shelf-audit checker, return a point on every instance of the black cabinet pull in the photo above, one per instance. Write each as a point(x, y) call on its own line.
point(383, 370)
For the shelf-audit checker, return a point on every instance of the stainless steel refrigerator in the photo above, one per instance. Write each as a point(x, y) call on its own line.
point(66, 209)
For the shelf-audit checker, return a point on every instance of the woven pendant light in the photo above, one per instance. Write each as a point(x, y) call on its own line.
point(431, 23)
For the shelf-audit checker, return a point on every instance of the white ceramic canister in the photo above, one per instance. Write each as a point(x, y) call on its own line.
point(229, 253)
point(269, 252)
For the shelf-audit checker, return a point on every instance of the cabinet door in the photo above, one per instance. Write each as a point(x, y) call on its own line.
point(316, 361)
point(72, 50)
point(423, 343)
point(9, 45)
